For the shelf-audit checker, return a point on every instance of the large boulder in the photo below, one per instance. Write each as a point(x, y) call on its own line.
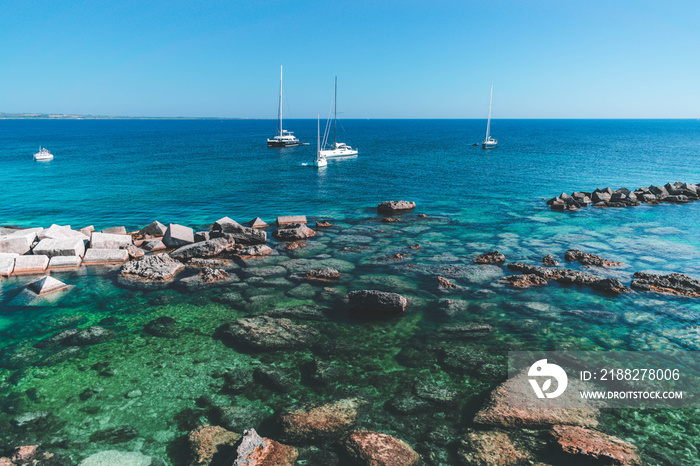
point(293, 232)
point(373, 303)
point(586, 444)
point(18, 241)
point(376, 449)
point(264, 333)
point(210, 248)
point(395, 206)
point(154, 228)
point(157, 267)
point(58, 231)
point(260, 451)
point(110, 241)
point(320, 422)
point(491, 257)
point(178, 235)
point(60, 247)
point(226, 227)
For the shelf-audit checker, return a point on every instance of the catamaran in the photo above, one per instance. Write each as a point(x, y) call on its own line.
point(489, 142)
point(339, 149)
point(283, 138)
point(43, 155)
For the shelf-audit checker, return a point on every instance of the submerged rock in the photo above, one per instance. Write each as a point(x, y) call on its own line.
point(320, 422)
point(487, 448)
point(46, 285)
point(208, 443)
point(376, 449)
point(589, 444)
point(165, 327)
point(237, 418)
point(118, 434)
point(260, 451)
point(157, 267)
point(675, 284)
point(589, 259)
point(564, 276)
point(527, 280)
point(264, 333)
point(117, 458)
point(373, 303)
point(492, 257)
point(550, 260)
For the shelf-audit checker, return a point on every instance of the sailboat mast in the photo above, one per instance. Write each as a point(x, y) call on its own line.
point(318, 136)
point(279, 117)
point(488, 124)
point(335, 114)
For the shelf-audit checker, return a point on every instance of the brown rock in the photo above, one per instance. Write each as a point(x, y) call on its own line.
point(550, 260)
point(589, 259)
point(134, 252)
point(514, 404)
point(445, 283)
point(24, 453)
point(526, 280)
point(5, 461)
point(294, 245)
point(490, 448)
point(415, 246)
point(391, 220)
point(260, 451)
point(596, 445)
point(674, 284)
point(422, 216)
point(491, 257)
point(375, 449)
point(206, 441)
point(323, 224)
point(320, 422)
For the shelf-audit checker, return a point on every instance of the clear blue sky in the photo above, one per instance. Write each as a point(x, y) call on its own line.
point(393, 59)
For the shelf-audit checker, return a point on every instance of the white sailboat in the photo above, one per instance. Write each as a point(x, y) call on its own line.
point(43, 155)
point(339, 149)
point(283, 138)
point(489, 142)
point(320, 160)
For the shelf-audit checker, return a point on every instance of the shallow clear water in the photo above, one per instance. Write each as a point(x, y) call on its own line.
point(129, 173)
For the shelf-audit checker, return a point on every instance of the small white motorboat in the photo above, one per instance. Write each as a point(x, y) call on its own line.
point(43, 155)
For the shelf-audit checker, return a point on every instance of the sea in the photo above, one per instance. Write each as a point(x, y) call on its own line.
point(140, 392)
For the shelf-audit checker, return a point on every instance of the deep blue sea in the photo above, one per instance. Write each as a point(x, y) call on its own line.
point(142, 392)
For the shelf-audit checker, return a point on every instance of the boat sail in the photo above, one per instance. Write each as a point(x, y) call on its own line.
point(339, 149)
point(320, 160)
point(283, 138)
point(489, 142)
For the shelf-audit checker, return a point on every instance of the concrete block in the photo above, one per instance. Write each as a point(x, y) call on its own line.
point(178, 235)
point(46, 285)
point(115, 230)
point(30, 264)
point(7, 264)
point(109, 241)
point(105, 256)
point(58, 231)
point(60, 247)
point(19, 241)
point(287, 219)
point(64, 262)
point(154, 228)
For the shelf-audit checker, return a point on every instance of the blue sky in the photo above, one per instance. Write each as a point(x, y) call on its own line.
point(393, 59)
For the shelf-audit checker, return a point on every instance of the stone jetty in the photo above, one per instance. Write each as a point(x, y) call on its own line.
point(677, 193)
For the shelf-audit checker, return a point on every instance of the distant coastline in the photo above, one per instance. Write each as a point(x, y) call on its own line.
point(60, 116)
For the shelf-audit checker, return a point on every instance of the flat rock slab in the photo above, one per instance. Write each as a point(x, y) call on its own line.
point(30, 264)
point(65, 262)
point(395, 206)
point(115, 230)
point(178, 235)
point(287, 219)
point(105, 256)
point(60, 247)
point(7, 263)
point(46, 285)
point(110, 241)
point(264, 333)
point(157, 267)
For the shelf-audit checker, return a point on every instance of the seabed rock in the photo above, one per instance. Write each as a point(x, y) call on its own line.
point(592, 445)
point(264, 333)
point(207, 442)
point(488, 448)
point(320, 422)
point(373, 303)
point(376, 449)
point(550, 260)
point(589, 259)
point(260, 451)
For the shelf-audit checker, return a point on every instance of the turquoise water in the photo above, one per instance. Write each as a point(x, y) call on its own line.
point(109, 173)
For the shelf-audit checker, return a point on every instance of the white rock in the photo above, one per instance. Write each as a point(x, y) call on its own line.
point(115, 230)
point(19, 242)
point(58, 231)
point(287, 219)
point(64, 262)
point(109, 241)
point(60, 247)
point(46, 285)
point(30, 264)
point(105, 256)
point(178, 235)
point(7, 263)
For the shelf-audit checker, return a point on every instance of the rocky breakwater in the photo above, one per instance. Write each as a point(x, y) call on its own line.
point(677, 193)
point(535, 275)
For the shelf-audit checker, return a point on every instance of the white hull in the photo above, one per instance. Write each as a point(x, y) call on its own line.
point(339, 152)
point(43, 155)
